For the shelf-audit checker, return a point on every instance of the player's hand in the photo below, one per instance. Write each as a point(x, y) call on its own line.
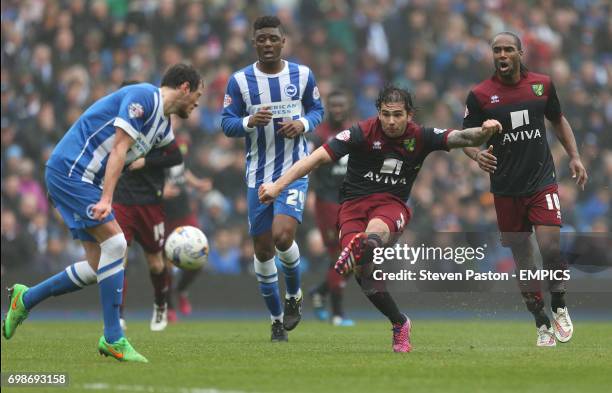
point(261, 118)
point(290, 129)
point(138, 164)
point(486, 160)
point(101, 210)
point(491, 127)
point(268, 192)
point(578, 172)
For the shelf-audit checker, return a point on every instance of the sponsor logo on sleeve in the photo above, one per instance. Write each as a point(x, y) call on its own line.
point(227, 101)
point(439, 130)
point(315, 93)
point(344, 136)
point(135, 110)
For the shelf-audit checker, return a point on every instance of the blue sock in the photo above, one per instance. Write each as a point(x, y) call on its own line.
point(268, 286)
point(111, 291)
point(292, 277)
point(290, 262)
point(56, 285)
point(271, 295)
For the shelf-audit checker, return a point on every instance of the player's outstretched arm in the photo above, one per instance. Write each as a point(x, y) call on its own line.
point(116, 160)
point(267, 192)
point(473, 137)
point(566, 137)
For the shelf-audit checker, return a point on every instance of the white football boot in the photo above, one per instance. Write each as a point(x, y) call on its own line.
point(159, 321)
point(562, 324)
point(546, 337)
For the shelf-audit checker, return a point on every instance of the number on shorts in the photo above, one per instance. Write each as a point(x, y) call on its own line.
point(294, 197)
point(552, 201)
point(158, 232)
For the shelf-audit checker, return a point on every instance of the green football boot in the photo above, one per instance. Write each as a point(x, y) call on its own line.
point(121, 350)
point(16, 313)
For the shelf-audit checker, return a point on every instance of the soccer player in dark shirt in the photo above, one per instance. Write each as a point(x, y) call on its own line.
point(179, 212)
point(385, 155)
point(522, 171)
point(325, 183)
point(138, 208)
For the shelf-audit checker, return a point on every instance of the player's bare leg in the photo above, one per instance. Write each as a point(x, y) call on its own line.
point(549, 238)
point(523, 253)
point(283, 235)
point(378, 234)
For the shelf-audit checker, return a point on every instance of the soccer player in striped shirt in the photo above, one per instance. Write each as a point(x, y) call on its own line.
point(81, 176)
point(271, 104)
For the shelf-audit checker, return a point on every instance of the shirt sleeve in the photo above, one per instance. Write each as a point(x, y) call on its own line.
point(341, 145)
point(435, 138)
point(234, 117)
point(135, 108)
point(474, 116)
point(169, 157)
point(313, 108)
point(553, 106)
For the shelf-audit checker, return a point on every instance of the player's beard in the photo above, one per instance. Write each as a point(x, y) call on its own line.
point(183, 114)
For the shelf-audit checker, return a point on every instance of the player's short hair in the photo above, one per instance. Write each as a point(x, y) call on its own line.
point(393, 94)
point(129, 82)
point(515, 37)
point(181, 73)
point(267, 21)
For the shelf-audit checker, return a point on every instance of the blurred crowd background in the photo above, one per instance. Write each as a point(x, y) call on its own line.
point(60, 56)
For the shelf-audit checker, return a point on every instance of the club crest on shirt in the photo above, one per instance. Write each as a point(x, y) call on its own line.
point(409, 144)
point(344, 136)
point(135, 110)
point(290, 90)
point(227, 100)
point(538, 89)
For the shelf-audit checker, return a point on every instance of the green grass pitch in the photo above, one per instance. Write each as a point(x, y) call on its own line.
point(221, 357)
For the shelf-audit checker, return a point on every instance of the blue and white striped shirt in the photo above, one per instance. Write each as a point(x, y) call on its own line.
point(84, 150)
point(291, 94)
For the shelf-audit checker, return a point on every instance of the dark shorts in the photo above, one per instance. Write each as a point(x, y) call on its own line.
point(145, 223)
point(355, 214)
point(326, 216)
point(190, 220)
point(519, 214)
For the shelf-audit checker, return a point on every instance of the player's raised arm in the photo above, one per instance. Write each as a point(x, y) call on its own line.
point(267, 192)
point(472, 137)
point(114, 166)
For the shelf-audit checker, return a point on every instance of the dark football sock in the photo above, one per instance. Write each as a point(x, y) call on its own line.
point(335, 298)
point(374, 240)
point(557, 300)
point(383, 301)
point(160, 286)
